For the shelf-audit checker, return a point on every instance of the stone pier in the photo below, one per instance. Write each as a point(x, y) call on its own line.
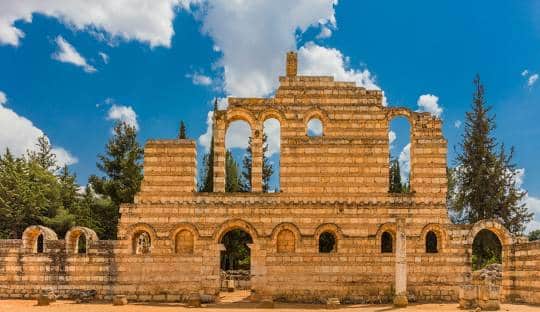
point(400, 297)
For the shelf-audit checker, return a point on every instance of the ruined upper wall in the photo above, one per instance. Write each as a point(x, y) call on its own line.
point(352, 155)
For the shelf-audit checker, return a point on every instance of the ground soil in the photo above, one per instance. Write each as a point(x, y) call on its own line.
point(70, 306)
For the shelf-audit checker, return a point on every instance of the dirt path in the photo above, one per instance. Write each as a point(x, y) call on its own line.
point(69, 306)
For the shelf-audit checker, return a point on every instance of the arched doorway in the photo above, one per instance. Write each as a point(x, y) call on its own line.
point(486, 249)
point(235, 264)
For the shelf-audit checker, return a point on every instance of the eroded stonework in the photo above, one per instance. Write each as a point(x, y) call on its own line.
point(168, 245)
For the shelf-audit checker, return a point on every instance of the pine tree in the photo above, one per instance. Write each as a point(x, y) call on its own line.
point(182, 133)
point(233, 181)
point(43, 155)
point(267, 169)
point(485, 175)
point(122, 166)
point(247, 166)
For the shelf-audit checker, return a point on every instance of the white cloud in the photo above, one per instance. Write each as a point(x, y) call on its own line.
point(405, 162)
point(64, 157)
point(200, 79)
point(524, 72)
point(273, 136)
point(391, 138)
point(66, 53)
point(104, 57)
point(206, 138)
point(457, 123)
point(314, 59)
point(3, 98)
point(20, 135)
point(237, 135)
point(533, 204)
point(148, 21)
point(532, 80)
point(314, 127)
point(124, 114)
point(253, 37)
point(325, 33)
point(429, 103)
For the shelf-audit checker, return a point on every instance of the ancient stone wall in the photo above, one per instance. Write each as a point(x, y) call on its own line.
point(335, 185)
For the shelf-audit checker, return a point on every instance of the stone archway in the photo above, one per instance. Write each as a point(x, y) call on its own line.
point(257, 269)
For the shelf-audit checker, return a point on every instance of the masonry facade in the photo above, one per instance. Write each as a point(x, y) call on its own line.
point(169, 240)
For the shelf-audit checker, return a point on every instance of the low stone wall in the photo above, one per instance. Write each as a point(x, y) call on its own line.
point(525, 281)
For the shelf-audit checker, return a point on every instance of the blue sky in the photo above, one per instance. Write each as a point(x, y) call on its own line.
point(70, 71)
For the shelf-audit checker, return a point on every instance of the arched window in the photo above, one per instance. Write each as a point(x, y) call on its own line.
point(431, 242)
point(386, 243)
point(271, 155)
point(238, 157)
point(81, 244)
point(141, 243)
point(399, 138)
point(486, 249)
point(285, 241)
point(40, 244)
point(315, 128)
point(184, 242)
point(327, 242)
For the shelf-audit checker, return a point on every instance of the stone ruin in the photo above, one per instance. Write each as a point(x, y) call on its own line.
point(385, 245)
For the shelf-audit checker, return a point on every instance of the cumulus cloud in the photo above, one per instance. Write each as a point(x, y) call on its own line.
point(325, 33)
point(206, 138)
point(457, 123)
point(533, 204)
point(273, 136)
point(237, 135)
point(314, 59)
point(124, 114)
point(66, 53)
point(148, 21)
point(391, 137)
point(200, 79)
point(525, 72)
point(253, 37)
point(429, 103)
point(405, 162)
point(532, 80)
point(20, 135)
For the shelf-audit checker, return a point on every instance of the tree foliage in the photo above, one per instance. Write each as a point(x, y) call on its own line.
point(233, 178)
point(534, 235)
point(122, 166)
point(182, 132)
point(485, 176)
point(267, 168)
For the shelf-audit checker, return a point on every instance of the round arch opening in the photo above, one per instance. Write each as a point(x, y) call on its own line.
point(486, 249)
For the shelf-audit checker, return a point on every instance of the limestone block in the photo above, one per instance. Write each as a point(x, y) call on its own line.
point(194, 300)
point(120, 300)
point(332, 303)
point(266, 303)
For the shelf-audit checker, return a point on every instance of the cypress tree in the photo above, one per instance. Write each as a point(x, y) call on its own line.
point(485, 175)
point(267, 169)
point(233, 181)
point(247, 165)
point(182, 133)
point(395, 177)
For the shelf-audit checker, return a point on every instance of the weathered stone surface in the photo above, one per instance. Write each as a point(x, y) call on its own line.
point(168, 243)
point(120, 300)
point(332, 303)
point(194, 300)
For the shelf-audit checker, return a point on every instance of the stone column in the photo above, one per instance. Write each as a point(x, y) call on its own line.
point(400, 298)
point(218, 134)
point(258, 272)
point(256, 165)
